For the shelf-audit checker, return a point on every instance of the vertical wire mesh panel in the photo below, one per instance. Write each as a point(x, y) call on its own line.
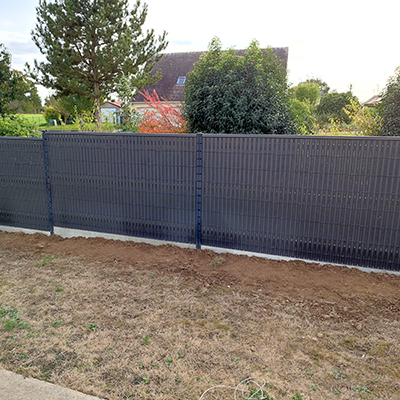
point(320, 198)
point(330, 199)
point(136, 185)
point(23, 196)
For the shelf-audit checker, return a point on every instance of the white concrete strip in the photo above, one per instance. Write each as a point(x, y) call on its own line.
point(220, 250)
point(70, 233)
point(16, 387)
point(13, 229)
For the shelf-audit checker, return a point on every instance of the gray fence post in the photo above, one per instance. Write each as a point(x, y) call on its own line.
point(199, 157)
point(48, 186)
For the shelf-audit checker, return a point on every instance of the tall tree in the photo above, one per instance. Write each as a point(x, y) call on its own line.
point(89, 44)
point(332, 106)
point(13, 84)
point(70, 106)
point(307, 92)
point(28, 103)
point(324, 88)
point(389, 108)
point(227, 93)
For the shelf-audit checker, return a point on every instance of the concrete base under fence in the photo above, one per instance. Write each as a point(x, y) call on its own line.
point(23, 230)
point(70, 233)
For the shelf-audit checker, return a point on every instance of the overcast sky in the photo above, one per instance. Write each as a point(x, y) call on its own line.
point(346, 42)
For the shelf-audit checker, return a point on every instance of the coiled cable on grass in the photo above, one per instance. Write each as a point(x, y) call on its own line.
point(249, 388)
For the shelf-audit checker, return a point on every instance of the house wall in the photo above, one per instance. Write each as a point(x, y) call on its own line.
point(144, 106)
point(110, 114)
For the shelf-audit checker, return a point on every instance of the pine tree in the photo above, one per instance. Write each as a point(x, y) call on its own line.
point(89, 44)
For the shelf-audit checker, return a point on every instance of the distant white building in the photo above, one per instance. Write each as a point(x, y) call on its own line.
point(111, 112)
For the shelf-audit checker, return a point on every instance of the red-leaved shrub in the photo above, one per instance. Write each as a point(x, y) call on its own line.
point(161, 117)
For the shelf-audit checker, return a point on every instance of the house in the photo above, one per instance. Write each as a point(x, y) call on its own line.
point(373, 101)
point(175, 67)
point(111, 112)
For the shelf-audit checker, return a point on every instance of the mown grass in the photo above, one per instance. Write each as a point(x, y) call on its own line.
point(43, 125)
point(38, 118)
point(88, 127)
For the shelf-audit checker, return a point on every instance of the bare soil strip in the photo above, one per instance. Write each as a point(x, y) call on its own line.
point(122, 320)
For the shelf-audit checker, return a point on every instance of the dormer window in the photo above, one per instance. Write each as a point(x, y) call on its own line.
point(181, 80)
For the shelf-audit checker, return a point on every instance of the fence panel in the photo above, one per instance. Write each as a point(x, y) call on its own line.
point(137, 185)
point(23, 196)
point(330, 199)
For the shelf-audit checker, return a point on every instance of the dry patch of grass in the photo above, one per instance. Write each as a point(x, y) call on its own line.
point(122, 333)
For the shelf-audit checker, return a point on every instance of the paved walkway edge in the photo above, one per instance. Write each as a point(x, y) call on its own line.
point(16, 387)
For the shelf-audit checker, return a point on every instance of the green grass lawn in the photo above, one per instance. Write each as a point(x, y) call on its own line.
point(43, 125)
point(76, 127)
point(38, 118)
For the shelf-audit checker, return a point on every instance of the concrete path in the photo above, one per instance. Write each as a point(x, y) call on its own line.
point(16, 387)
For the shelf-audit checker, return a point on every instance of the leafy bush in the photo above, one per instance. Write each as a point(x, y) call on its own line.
point(51, 113)
point(69, 107)
point(227, 93)
point(13, 84)
point(365, 119)
point(126, 92)
point(161, 117)
point(308, 92)
point(389, 109)
point(337, 127)
point(332, 106)
point(15, 125)
point(304, 117)
point(323, 86)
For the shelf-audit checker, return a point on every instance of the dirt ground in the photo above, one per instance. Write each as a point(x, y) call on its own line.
point(126, 320)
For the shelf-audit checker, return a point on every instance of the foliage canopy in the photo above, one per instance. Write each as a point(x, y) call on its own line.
point(332, 105)
point(365, 119)
point(323, 86)
point(69, 107)
point(16, 125)
point(130, 116)
point(227, 93)
point(88, 44)
point(29, 102)
point(304, 117)
point(13, 84)
point(307, 92)
point(51, 113)
point(389, 108)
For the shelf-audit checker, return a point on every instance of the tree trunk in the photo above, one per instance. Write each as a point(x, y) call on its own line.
point(97, 113)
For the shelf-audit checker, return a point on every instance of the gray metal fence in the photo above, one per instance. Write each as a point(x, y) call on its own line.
point(333, 199)
point(136, 185)
point(23, 195)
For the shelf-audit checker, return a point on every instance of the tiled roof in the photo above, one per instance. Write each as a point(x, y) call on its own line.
point(113, 103)
point(374, 100)
point(175, 65)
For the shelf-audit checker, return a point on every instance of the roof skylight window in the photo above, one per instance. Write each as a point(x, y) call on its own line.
point(181, 80)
